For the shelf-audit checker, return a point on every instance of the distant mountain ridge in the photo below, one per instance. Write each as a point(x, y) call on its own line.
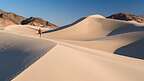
point(37, 22)
point(127, 17)
point(9, 18)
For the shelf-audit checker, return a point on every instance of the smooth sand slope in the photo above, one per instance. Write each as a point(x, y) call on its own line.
point(71, 63)
point(24, 30)
point(109, 43)
point(93, 27)
point(18, 52)
point(65, 62)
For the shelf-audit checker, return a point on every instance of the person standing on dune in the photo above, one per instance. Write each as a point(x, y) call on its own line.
point(40, 32)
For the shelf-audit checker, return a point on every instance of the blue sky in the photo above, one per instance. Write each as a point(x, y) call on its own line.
point(62, 12)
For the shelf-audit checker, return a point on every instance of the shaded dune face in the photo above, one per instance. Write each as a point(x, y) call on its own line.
point(135, 50)
point(126, 29)
point(18, 52)
point(90, 28)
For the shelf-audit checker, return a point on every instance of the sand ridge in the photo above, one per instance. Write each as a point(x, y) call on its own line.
point(92, 27)
point(59, 64)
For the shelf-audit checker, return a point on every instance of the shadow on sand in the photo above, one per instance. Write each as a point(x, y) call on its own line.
point(135, 50)
point(126, 29)
point(17, 53)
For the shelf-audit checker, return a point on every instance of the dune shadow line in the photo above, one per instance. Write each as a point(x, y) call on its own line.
point(126, 29)
point(66, 26)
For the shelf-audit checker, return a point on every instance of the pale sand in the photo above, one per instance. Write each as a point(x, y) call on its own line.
point(109, 43)
point(78, 53)
point(64, 62)
point(94, 27)
point(24, 30)
point(71, 63)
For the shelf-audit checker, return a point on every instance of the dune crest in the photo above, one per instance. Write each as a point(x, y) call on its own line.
point(94, 27)
point(97, 16)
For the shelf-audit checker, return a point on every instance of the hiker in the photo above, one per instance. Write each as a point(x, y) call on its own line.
point(40, 32)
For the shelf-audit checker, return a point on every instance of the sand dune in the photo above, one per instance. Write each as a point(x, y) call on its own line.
point(71, 63)
point(109, 43)
point(94, 27)
point(24, 29)
point(18, 52)
point(62, 62)
point(82, 51)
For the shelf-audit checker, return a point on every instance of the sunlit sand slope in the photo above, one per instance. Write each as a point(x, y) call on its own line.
point(71, 63)
point(24, 30)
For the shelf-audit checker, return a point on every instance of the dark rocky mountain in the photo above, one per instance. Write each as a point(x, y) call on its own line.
point(127, 17)
point(37, 22)
point(9, 18)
